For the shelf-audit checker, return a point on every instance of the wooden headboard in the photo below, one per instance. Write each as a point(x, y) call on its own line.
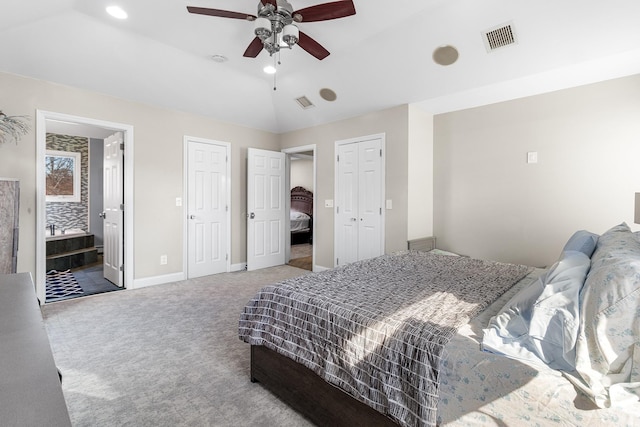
point(302, 200)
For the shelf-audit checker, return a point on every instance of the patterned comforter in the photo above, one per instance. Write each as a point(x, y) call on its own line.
point(377, 328)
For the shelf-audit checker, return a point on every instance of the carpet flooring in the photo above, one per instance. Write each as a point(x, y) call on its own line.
point(166, 355)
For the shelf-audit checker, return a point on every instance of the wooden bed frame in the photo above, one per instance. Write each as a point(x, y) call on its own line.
point(302, 201)
point(310, 395)
point(306, 392)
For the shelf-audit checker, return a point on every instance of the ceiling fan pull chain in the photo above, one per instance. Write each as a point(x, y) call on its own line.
point(275, 65)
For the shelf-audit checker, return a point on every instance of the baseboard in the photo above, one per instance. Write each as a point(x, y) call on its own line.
point(320, 268)
point(238, 267)
point(158, 280)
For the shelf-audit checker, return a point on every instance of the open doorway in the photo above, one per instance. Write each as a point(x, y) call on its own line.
point(75, 154)
point(302, 206)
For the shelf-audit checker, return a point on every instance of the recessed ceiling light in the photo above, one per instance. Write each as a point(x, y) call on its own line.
point(117, 12)
point(269, 69)
point(219, 58)
point(445, 55)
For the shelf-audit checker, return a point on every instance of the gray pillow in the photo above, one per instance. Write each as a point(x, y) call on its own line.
point(582, 241)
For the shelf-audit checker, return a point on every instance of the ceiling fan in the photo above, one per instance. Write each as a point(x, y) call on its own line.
point(274, 26)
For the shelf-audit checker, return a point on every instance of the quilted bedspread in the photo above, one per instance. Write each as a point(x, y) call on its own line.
point(377, 328)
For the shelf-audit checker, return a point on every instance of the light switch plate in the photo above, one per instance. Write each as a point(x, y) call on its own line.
point(532, 157)
point(178, 201)
point(389, 204)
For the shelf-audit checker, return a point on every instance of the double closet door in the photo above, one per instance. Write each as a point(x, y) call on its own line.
point(359, 200)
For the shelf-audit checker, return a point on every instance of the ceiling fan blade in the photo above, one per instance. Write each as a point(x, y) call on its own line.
point(220, 13)
point(326, 11)
point(254, 48)
point(312, 47)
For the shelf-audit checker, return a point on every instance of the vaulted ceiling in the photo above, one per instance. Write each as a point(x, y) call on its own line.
point(381, 57)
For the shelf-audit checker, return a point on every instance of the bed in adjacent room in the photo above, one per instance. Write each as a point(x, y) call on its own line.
point(399, 339)
point(301, 215)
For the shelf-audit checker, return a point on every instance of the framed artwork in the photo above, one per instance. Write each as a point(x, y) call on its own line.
point(62, 175)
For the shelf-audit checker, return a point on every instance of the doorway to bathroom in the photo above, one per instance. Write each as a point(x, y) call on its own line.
point(82, 188)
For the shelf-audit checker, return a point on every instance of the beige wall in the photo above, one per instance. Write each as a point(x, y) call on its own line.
point(394, 124)
point(158, 170)
point(420, 174)
point(302, 174)
point(489, 203)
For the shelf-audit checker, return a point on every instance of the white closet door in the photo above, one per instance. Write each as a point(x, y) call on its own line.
point(369, 200)
point(359, 198)
point(347, 217)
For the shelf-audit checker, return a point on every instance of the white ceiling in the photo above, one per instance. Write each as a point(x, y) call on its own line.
point(380, 58)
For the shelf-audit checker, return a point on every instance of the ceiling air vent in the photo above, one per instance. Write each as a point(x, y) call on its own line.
point(500, 36)
point(304, 102)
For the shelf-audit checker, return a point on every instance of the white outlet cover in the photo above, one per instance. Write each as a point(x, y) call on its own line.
point(178, 201)
point(532, 157)
point(328, 203)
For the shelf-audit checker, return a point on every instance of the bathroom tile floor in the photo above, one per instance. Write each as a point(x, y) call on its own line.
point(91, 279)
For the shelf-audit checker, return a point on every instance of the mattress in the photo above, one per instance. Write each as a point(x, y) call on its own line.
point(377, 328)
point(299, 221)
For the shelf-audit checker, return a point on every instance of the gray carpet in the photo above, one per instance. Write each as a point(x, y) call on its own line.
point(166, 355)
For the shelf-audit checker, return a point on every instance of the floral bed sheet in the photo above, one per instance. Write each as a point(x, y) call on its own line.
point(483, 389)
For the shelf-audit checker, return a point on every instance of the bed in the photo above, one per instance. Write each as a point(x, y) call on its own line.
point(301, 215)
point(423, 349)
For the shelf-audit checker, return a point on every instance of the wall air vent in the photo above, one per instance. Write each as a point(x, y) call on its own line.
point(304, 102)
point(500, 36)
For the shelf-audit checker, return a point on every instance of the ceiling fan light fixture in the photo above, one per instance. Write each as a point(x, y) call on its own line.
point(290, 35)
point(269, 69)
point(275, 24)
point(262, 28)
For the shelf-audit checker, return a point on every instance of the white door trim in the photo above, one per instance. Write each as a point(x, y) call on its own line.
point(41, 143)
point(185, 202)
point(294, 150)
point(382, 137)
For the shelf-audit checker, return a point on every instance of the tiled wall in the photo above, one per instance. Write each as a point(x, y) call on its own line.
point(65, 215)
